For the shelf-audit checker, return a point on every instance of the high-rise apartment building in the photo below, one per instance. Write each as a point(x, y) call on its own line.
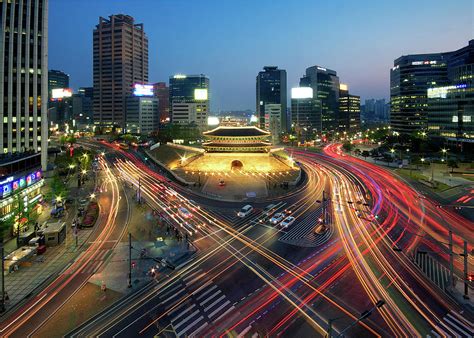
point(349, 110)
point(189, 99)
point(325, 85)
point(271, 89)
point(23, 107)
point(162, 92)
point(120, 60)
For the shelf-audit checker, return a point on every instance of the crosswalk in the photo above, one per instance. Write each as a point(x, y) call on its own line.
point(453, 325)
point(302, 234)
point(434, 270)
point(194, 302)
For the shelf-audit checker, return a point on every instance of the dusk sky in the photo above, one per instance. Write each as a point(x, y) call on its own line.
point(230, 41)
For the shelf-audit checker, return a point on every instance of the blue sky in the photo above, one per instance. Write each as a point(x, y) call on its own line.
point(231, 40)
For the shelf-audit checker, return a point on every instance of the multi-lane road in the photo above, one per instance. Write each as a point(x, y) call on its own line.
point(253, 277)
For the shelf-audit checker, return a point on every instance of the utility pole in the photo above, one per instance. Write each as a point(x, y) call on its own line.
point(139, 197)
point(451, 259)
point(129, 260)
point(466, 285)
point(2, 249)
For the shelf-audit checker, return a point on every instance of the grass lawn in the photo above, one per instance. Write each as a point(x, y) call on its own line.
point(170, 156)
point(415, 175)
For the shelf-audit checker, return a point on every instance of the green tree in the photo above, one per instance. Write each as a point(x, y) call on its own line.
point(347, 146)
point(365, 154)
point(452, 163)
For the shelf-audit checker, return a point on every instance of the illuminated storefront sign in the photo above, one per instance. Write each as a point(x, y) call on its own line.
point(12, 184)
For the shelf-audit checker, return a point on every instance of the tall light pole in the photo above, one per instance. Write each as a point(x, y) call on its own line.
point(2, 252)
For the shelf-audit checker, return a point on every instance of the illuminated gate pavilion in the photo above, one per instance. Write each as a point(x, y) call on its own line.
point(237, 140)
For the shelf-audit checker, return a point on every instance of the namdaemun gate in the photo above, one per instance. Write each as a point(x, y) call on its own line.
point(243, 149)
point(237, 139)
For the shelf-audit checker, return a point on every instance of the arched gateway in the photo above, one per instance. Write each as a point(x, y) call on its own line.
point(236, 165)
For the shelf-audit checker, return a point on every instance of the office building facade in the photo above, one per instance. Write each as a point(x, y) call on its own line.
point(120, 48)
point(306, 113)
point(162, 92)
point(349, 111)
point(23, 102)
point(450, 108)
point(271, 89)
point(410, 79)
point(273, 121)
point(189, 99)
point(57, 80)
point(143, 115)
point(325, 85)
point(82, 107)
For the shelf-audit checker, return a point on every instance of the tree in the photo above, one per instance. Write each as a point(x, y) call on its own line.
point(452, 163)
point(347, 146)
point(365, 154)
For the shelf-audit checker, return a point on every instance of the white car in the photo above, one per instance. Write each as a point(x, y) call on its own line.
point(277, 218)
point(183, 212)
point(288, 221)
point(245, 211)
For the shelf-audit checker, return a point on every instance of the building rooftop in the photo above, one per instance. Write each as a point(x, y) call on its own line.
point(237, 131)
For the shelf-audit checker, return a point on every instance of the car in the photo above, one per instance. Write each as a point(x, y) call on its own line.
point(269, 209)
point(221, 182)
point(288, 221)
point(277, 218)
point(183, 212)
point(245, 211)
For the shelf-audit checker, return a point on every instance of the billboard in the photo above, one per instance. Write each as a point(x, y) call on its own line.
point(212, 121)
point(142, 89)
point(60, 93)
point(12, 184)
point(302, 93)
point(200, 94)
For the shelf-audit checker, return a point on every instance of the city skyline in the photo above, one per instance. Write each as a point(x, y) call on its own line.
point(372, 46)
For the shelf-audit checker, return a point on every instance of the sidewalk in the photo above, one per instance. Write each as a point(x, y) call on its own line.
point(146, 234)
point(22, 283)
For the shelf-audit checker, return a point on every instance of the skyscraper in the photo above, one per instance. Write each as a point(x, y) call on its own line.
point(451, 108)
point(23, 109)
point(162, 92)
point(82, 110)
point(24, 79)
point(349, 110)
point(410, 79)
point(305, 113)
point(271, 89)
point(189, 99)
point(325, 84)
point(57, 79)
point(120, 60)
